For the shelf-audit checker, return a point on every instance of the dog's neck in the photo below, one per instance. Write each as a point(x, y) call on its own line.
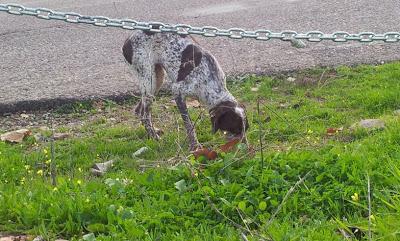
point(219, 98)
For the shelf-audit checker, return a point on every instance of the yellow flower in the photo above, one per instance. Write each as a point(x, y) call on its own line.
point(87, 200)
point(55, 189)
point(45, 151)
point(372, 217)
point(40, 172)
point(310, 131)
point(79, 182)
point(48, 161)
point(80, 169)
point(27, 167)
point(355, 197)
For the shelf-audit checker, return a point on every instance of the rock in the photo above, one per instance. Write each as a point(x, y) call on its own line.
point(61, 136)
point(15, 136)
point(7, 239)
point(397, 112)
point(370, 124)
point(24, 116)
point(100, 169)
point(39, 137)
point(140, 151)
point(16, 238)
point(38, 238)
point(290, 79)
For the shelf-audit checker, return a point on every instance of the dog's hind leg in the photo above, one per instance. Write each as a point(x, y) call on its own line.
point(191, 131)
point(148, 90)
point(143, 110)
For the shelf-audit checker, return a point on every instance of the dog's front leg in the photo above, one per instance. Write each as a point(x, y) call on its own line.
point(191, 132)
point(143, 110)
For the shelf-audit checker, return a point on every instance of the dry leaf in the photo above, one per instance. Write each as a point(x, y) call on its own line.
point(207, 153)
point(15, 136)
point(229, 146)
point(192, 103)
point(332, 131)
point(61, 136)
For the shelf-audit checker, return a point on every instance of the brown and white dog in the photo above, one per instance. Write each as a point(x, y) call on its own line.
point(190, 71)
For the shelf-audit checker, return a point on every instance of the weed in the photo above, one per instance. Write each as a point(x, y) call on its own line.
point(164, 194)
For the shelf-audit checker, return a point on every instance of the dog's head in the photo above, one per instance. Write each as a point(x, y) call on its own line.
point(229, 116)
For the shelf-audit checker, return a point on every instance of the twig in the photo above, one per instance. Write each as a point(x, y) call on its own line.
point(291, 190)
point(320, 78)
point(52, 155)
point(369, 208)
point(244, 221)
point(52, 147)
point(244, 237)
point(260, 135)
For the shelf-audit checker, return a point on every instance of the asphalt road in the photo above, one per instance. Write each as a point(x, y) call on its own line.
point(51, 60)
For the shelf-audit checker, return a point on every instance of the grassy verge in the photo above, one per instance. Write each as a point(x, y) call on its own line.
point(163, 194)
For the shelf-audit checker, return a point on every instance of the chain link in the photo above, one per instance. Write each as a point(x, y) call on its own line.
point(207, 31)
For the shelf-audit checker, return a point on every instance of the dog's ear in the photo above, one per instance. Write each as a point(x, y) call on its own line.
point(225, 117)
point(191, 58)
point(127, 50)
point(216, 115)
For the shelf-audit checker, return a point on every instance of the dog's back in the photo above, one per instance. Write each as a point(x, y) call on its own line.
point(191, 70)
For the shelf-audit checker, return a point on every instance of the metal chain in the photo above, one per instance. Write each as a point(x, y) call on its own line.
point(207, 31)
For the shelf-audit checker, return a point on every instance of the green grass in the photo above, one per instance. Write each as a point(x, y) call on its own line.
point(156, 196)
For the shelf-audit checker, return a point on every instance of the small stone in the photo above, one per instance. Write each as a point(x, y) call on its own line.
point(39, 137)
point(140, 151)
point(291, 79)
point(370, 124)
point(284, 105)
point(25, 116)
point(112, 119)
point(397, 112)
point(38, 238)
point(254, 89)
point(100, 169)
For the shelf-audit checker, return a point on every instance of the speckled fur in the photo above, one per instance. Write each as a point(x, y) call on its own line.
point(153, 55)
